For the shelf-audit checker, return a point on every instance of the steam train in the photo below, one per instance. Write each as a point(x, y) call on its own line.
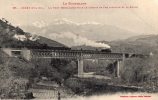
point(107, 50)
point(45, 47)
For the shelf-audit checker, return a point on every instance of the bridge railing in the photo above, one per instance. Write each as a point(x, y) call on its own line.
point(75, 54)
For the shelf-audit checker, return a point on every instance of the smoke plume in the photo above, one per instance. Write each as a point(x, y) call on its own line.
point(77, 40)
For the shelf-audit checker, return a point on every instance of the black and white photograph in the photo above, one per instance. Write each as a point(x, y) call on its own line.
point(79, 49)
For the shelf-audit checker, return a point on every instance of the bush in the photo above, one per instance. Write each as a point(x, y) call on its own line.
point(14, 87)
point(55, 69)
point(139, 70)
point(75, 85)
point(14, 75)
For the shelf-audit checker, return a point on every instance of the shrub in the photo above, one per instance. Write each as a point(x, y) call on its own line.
point(75, 85)
point(14, 87)
point(14, 75)
point(139, 70)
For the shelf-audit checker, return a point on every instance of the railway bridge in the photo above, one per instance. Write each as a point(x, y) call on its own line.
point(79, 55)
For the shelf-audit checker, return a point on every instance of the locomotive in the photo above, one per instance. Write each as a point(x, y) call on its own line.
point(106, 50)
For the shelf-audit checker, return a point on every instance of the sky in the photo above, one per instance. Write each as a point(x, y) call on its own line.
point(142, 19)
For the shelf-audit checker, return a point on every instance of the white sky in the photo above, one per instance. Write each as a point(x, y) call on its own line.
point(143, 19)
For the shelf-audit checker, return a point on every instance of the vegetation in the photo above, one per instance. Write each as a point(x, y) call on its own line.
point(17, 75)
point(55, 69)
point(141, 72)
point(7, 32)
point(91, 86)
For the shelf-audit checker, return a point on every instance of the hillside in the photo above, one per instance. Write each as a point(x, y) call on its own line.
point(18, 75)
point(15, 75)
point(11, 36)
point(137, 44)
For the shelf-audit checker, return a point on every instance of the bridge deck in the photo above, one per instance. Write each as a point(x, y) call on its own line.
point(76, 54)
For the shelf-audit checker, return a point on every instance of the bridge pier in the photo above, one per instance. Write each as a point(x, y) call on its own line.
point(80, 67)
point(118, 69)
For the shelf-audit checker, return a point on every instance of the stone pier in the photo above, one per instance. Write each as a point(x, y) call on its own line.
point(80, 67)
point(118, 69)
